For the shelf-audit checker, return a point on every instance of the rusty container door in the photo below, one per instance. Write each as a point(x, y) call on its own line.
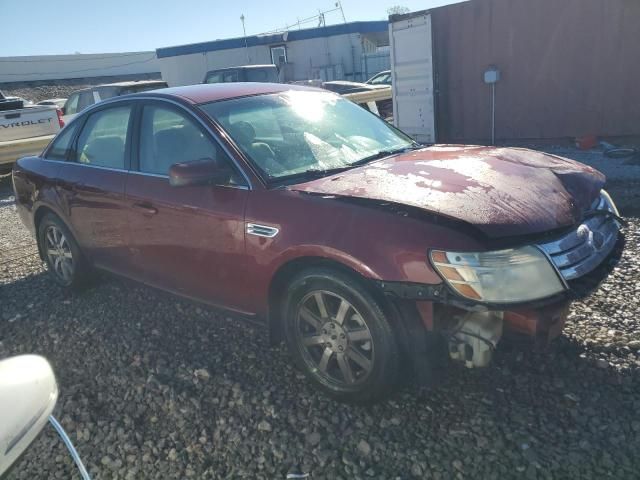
point(412, 71)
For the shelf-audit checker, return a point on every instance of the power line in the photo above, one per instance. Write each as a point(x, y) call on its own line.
point(314, 18)
point(120, 55)
point(75, 71)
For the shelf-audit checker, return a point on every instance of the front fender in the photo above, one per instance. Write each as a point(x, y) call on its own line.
point(327, 253)
point(367, 239)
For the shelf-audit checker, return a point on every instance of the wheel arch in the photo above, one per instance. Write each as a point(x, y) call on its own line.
point(283, 276)
point(419, 348)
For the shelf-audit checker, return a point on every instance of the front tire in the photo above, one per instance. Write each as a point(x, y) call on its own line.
point(65, 261)
point(340, 337)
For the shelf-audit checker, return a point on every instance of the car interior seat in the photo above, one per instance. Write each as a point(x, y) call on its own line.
point(107, 151)
point(261, 152)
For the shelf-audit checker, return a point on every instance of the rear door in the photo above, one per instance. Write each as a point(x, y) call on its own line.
point(189, 240)
point(92, 182)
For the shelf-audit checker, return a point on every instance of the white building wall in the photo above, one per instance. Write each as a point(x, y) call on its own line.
point(183, 69)
point(48, 67)
point(307, 59)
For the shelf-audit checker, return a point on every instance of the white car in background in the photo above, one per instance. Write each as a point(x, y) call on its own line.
point(56, 102)
point(81, 99)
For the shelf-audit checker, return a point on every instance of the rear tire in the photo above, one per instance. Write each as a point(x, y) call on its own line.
point(340, 337)
point(65, 261)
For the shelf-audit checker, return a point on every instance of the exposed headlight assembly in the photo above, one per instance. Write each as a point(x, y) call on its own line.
point(502, 276)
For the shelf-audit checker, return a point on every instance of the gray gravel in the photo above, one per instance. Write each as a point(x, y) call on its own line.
point(623, 177)
point(156, 387)
point(45, 89)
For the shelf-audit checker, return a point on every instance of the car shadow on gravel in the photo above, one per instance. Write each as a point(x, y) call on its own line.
point(157, 387)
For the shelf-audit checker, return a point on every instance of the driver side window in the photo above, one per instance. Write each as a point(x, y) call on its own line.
point(168, 136)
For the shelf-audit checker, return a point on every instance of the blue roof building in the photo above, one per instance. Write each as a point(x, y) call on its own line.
point(333, 52)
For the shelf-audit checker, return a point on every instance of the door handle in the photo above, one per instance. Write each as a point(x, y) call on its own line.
point(146, 209)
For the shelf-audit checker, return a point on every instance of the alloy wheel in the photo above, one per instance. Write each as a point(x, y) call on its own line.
point(58, 253)
point(334, 339)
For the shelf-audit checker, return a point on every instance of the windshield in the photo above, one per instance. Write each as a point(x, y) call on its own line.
point(301, 132)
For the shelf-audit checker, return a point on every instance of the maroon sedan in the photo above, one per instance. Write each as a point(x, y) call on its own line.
point(366, 252)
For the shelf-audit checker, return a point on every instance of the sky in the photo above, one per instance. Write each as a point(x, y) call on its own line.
point(89, 26)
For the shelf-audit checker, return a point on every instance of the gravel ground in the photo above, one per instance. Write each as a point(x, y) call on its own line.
point(156, 387)
point(42, 90)
point(623, 177)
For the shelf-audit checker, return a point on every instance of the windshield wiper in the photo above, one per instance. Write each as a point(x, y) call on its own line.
point(324, 172)
point(385, 153)
point(311, 174)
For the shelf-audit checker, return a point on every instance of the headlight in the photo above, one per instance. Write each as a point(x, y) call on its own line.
point(503, 276)
point(607, 203)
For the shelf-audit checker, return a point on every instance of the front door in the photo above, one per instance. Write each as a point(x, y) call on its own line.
point(189, 240)
point(92, 182)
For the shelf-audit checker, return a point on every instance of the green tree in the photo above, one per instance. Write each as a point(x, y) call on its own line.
point(397, 10)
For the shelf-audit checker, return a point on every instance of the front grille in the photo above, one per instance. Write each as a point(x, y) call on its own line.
point(583, 249)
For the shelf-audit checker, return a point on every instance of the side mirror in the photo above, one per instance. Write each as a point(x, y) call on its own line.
point(204, 171)
point(28, 393)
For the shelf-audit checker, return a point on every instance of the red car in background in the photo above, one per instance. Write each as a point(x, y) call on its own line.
point(366, 252)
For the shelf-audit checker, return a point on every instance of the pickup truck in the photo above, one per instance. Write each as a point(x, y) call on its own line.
point(25, 130)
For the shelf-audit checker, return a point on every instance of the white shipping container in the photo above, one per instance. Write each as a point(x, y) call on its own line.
point(412, 70)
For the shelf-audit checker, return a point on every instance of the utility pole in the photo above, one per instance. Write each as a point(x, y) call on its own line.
point(339, 5)
point(244, 31)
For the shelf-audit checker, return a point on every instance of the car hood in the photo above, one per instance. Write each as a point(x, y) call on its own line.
point(501, 191)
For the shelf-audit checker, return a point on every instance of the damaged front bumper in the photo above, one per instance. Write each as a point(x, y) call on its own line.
point(473, 328)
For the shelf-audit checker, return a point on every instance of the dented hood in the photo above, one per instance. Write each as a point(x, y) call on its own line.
point(502, 191)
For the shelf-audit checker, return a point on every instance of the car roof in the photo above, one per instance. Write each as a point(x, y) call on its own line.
point(211, 92)
point(129, 83)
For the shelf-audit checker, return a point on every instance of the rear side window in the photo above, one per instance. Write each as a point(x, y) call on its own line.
point(86, 100)
point(228, 77)
point(262, 75)
point(107, 92)
point(62, 144)
point(142, 88)
point(71, 106)
point(214, 78)
point(103, 138)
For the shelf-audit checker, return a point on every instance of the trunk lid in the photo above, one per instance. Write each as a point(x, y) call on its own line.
point(28, 122)
point(502, 191)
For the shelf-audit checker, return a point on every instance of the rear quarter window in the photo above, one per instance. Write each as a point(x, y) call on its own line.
point(86, 100)
point(71, 106)
point(62, 144)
